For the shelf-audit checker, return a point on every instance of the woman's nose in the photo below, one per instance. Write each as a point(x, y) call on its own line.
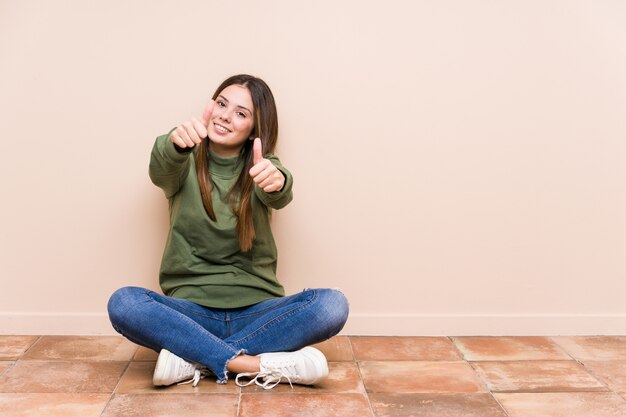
point(225, 116)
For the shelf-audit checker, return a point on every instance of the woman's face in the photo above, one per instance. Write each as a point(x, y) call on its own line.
point(232, 121)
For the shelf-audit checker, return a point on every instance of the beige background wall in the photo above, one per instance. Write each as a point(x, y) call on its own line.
point(460, 165)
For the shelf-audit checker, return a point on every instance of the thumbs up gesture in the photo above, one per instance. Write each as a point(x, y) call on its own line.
point(264, 173)
point(194, 131)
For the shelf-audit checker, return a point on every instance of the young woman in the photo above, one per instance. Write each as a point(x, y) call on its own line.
point(223, 309)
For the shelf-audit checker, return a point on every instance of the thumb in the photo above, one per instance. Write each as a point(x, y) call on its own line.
point(206, 114)
point(257, 150)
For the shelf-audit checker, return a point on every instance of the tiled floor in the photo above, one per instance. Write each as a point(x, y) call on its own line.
point(369, 376)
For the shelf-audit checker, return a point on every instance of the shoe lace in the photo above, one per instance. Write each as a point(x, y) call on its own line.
point(270, 378)
point(198, 374)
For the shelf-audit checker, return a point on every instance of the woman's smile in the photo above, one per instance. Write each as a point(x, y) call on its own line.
point(220, 129)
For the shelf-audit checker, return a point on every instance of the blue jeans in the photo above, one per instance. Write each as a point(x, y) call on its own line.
point(212, 337)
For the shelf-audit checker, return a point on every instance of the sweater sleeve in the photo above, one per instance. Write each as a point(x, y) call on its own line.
point(168, 167)
point(277, 199)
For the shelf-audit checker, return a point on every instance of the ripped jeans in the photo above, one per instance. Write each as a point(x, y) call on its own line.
point(212, 337)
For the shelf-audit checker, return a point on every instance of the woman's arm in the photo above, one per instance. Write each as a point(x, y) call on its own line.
point(168, 166)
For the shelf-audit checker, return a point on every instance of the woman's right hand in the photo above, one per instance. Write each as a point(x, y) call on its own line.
point(194, 131)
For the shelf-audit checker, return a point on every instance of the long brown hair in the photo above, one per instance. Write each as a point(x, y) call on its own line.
point(266, 128)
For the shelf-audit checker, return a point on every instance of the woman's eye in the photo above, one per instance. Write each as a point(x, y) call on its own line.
point(221, 103)
point(241, 114)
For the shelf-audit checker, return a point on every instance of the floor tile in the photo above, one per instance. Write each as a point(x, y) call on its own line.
point(12, 347)
point(405, 376)
point(509, 348)
point(4, 365)
point(163, 405)
point(435, 405)
point(145, 354)
point(52, 405)
point(61, 376)
point(612, 373)
point(582, 404)
point(336, 349)
point(373, 348)
point(537, 376)
point(304, 405)
point(343, 377)
point(138, 380)
point(420, 377)
point(594, 348)
point(92, 348)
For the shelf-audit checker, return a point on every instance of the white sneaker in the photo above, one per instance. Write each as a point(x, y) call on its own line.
point(170, 369)
point(306, 366)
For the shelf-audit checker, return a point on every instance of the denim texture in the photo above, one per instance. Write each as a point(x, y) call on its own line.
point(212, 337)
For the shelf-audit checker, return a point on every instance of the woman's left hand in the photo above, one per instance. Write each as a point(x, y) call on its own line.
point(264, 173)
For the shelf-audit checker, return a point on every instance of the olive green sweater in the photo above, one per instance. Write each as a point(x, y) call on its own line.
point(202, 261)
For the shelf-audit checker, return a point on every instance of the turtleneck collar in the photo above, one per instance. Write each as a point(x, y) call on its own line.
point(225, 167)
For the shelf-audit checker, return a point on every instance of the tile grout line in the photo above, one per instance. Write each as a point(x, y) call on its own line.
point(470, 364)
point(561, 348)
point(456, 348)
point(581, 363)
point(482, 381)
point(601, 380)
point(19, 358)
point(358, 367)
point(597, 378)
point(485, 382)
point(113, 392)
point(39, 337)
point(117, 385)
point(8, 368)
point(506, 413)
point(351, 348)
point(239, 398)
